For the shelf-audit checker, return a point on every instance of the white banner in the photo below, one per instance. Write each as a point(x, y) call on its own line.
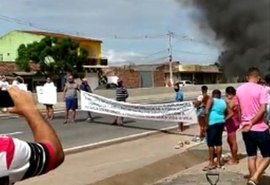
point(46, 95)
point(175, 112)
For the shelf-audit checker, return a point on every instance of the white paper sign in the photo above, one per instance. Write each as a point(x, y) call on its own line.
point(175, 112)
point(46, 95)
point(22, 87)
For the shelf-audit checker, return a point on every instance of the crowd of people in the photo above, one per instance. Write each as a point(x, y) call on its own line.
point(245, 109)
point(70, 97)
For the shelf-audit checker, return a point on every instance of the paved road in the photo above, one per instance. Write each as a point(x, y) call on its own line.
point(83, 132)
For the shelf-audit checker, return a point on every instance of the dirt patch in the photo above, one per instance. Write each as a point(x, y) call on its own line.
point(158, 170)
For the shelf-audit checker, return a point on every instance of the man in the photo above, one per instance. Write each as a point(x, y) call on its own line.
point(121, 95)
point(20, 159)
point(252, 99)
point(71, 100)
point(49, 108)
point(86, 87)
point(267, 86)
point(4, 83)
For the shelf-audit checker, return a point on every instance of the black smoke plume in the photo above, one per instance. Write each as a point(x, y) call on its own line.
point(243, 26)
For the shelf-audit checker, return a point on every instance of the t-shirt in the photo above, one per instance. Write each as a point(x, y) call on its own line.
point(4, 85)
point(179, 96)
point(251, 96)
point(121, 94)
point(268, 93)
point(20, 160)
point(217, 112)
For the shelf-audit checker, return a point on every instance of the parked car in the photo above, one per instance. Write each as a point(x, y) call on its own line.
point(183, 83)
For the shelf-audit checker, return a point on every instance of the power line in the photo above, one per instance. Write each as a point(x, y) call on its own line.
point(193, 53)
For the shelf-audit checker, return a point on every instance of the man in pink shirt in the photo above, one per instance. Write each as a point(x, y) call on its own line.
point(252, 99)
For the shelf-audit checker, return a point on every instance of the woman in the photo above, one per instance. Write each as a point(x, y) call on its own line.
point(232, 123)
point(215, 116)
point(49, 108)
point(179, 97)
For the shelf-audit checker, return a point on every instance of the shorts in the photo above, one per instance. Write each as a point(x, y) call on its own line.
point(48, 106)
point(214, 134)
point(231, 126)
point(268, 113)
point(254, 140)
point(71, 103)
point(201, 112)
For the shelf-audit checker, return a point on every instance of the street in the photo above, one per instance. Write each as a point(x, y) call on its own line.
point(83, 132)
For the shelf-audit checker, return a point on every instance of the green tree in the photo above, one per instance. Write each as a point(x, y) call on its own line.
point(54, 56)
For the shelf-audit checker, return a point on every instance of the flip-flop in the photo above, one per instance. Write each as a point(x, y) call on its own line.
point(251, 182)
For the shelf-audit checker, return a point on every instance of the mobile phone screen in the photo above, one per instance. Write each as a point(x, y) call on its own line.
point(5, 99)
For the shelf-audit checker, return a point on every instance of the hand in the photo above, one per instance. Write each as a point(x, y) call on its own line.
point(23, 101)
point(245, 126)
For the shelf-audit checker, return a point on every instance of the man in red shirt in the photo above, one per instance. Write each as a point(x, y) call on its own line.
point(19, 159)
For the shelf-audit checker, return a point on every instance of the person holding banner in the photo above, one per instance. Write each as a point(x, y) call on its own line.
point(49, 107)
point(70, 97)
point(179, 98)
point(86, 87)
point(121, 95)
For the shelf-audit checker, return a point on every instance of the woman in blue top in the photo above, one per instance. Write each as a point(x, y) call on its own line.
point(215, 111)
point(179, 96)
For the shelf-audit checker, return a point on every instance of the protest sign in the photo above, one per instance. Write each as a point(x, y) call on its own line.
point(174, 112)
point(46, 95)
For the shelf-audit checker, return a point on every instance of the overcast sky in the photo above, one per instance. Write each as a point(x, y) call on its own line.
point(126, 27)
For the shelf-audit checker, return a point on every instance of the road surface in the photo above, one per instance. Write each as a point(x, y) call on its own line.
point(83, 132)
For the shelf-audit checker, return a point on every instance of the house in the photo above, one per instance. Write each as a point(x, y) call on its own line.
point(137, 76)
point(10, 42)
point(198, 74)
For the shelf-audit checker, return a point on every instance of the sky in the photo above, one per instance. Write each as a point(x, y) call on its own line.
point(132, 31)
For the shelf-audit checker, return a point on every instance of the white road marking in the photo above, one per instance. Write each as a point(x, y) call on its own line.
point(116, 140)
point(11, 133)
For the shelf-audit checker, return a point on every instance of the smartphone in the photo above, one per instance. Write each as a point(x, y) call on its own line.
point(5, 99)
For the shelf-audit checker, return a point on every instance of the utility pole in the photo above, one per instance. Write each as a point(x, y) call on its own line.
point(170, 35)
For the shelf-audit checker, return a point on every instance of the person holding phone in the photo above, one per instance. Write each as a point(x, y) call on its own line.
point(21, 159)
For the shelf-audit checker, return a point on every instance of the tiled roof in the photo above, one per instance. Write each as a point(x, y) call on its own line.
point(60, 35)
point(8, 68)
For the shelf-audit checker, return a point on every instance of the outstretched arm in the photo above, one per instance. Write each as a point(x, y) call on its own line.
point(42, 131)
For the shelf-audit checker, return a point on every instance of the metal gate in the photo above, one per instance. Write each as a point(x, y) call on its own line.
point(146, 79)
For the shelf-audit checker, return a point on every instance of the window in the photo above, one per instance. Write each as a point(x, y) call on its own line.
point(1, 57)
point(8, 54)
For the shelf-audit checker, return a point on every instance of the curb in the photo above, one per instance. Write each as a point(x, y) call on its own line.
point(119, 140)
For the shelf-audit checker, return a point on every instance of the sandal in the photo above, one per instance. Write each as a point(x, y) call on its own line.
point(209, 168)
point(179, 145)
